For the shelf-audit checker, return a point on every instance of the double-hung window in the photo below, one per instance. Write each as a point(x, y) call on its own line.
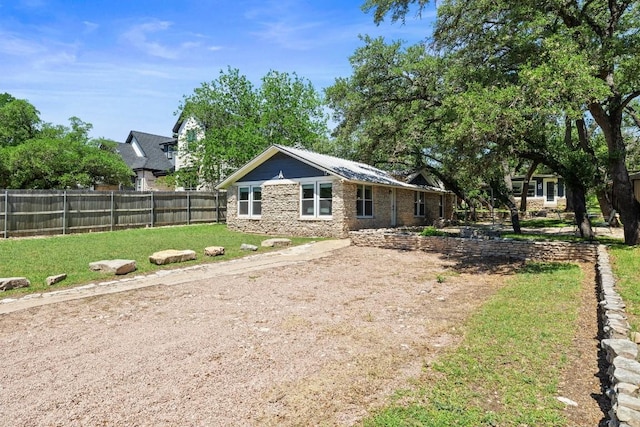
point(250, 200)
point(364, 201)
point(316, 199)
point(418, 203)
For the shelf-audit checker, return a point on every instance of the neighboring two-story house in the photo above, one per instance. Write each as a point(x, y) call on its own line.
point(149, 157)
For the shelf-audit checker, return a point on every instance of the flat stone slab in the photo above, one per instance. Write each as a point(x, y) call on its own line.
point(171, 256)
point(214, 250)
point(248, 247)
point(52, 280)
point(8, 283)
point(115, 266)
point(276, 243)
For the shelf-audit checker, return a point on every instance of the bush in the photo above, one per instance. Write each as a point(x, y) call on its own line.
point(432, 231)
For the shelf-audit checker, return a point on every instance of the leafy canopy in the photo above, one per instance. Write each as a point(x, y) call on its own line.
point(36, 155)
point(240, 120)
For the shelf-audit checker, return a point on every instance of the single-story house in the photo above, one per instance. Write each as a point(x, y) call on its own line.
point(545, 191)
point(149, 157)
point(292, 191)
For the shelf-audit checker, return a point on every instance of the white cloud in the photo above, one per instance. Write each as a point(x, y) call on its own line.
point(90, 27)
point(16, 46)
point(137, 37)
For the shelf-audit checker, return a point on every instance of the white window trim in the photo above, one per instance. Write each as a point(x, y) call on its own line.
point(251, 186)
point(316, 199)
point(423, 203)
point(372, 201)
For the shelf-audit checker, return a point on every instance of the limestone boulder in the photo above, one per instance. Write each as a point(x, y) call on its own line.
point(248, 247)
point(171, 256)
point(214, 250)
point(52, 280)
point(8, 283)
point(276, 243)
point(114, 266)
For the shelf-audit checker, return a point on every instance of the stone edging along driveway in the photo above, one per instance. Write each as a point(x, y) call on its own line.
point(172, 277)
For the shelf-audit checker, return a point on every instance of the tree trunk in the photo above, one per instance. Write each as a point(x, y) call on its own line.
point(569, 197)
point(622, 197)
point(515, 216)
point(525, 186)
point(579, 202)
point(605, 203)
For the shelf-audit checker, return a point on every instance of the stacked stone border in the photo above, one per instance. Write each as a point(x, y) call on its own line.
point(621, 353)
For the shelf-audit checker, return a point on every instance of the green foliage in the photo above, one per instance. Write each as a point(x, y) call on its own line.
point(61, 158)
point(36, 155)
point(520, 75)
point(19, 121)
point(432, 231)
point(240, 120)
point(73, 253)
point(505, 372)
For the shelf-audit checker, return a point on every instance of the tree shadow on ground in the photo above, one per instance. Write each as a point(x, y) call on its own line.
point(503, 266)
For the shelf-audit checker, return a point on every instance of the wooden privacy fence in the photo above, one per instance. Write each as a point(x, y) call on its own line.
point(36, 212)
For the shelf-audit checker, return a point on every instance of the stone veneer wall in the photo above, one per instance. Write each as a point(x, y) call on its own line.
point(281, 212)
point(538, 204)
point(621, 352)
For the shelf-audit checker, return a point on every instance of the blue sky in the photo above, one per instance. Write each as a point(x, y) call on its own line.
point(125, 66)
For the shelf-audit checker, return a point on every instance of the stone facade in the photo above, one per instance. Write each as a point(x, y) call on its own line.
point(539, 204)
point(281, 210)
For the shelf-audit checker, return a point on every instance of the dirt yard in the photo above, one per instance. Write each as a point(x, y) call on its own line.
point(320, 342)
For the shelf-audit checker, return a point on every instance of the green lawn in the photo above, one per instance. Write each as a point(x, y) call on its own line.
point(506, 371)
point(625, 261)
point(38, 258)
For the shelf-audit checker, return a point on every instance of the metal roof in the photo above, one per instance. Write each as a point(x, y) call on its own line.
point(342, 168)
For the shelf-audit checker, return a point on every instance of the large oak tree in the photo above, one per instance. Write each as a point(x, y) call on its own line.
point(581, 57)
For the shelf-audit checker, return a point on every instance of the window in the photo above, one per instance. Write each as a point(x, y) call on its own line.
point(316, 199)
point(364, 201)
point(418, 203)
point(250, 201)
point(517, 189)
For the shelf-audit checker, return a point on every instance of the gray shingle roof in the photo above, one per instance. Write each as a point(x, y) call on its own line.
point(153, 158)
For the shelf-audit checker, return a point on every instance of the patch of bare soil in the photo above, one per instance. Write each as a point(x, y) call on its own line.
point(319, 342)
point(585, 373)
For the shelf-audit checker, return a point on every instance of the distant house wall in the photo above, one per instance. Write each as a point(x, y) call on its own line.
point(188, 129)
point(545, 192)
point(146, 181)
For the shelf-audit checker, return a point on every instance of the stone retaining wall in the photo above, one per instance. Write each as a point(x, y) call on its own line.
point(477, 248)
point(621, 353)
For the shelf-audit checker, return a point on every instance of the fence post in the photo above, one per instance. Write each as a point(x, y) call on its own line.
point(188, 207)
point(217, 205)
point(153, 212)
point(64, 212)
point(112, 211)
point(6, 214)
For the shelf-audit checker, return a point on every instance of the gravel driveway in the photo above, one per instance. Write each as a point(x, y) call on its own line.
point(315, 341)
